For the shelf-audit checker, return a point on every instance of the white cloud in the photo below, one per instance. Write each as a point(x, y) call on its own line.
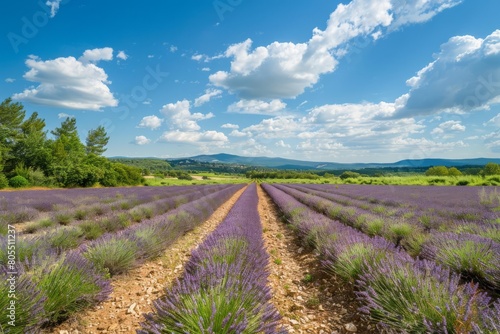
point(278, 127)
point(206, 69)
point(54, 7)
point(147, 101)
point(282, 144)
point(494, 121)
point(257, 107)
point(197, 57)
point(151, 56)
point(181, 118)
point(194, 137)
point(151, 122)
point(230, 126)
point(122, 55)
point(253, 148)
point(464, 77)
point(448, 126)
point(64, 115)
point(209, 94)
point(142, 140)
point(237, 133)
point(173, 48)
point(285, 70)
point(69, 83)
point(10, 80)
point(95, 55)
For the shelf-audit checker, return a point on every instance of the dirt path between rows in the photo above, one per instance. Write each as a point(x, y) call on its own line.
point(309, 300)
point(134, 292)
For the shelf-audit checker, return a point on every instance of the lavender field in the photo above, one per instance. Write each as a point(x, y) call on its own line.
point(419, 259)
point(422, 259)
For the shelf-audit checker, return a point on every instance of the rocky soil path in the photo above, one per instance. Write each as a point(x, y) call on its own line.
point(309, 300)
point(134, 292)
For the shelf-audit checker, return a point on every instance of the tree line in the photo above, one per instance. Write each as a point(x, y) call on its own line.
point(29, 156)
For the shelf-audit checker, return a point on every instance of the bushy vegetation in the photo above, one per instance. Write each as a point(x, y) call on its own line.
point(30, 156)
point(281, 175)
point(18, 182)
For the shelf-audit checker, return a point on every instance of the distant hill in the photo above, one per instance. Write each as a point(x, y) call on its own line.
point(282, 163)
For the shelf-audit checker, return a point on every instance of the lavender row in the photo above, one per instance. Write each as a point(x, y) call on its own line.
point(474, 257)
point(52, 287)
point(21, 206)
point(376, 219)
point(401, 294)
point(449, 202)
point(126, 212)
point(65, 238)
point(224, 287)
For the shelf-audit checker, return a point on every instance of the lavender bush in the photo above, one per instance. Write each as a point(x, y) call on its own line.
point(28, 314)
point(70, 284)
point(472, 256)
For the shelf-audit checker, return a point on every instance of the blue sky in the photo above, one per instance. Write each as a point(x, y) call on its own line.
point(358, 81)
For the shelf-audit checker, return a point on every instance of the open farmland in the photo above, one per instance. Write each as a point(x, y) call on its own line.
point(246, 259)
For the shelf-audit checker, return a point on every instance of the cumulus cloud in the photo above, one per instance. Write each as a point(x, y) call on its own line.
point(69, 83)
point(122, 55)
point(282, 144)
point(151, 122)
point(194, 137)
point(197, 57)
point(64, 115)
point(448, 126)
point(173, 48)
point(95, 55)
point(180, 117)
point(10, 80)
point(238, 133)
point(257, 107)
point(285, 70)
point(209, 94)
point(464, 77)
point(54, 7)
point(184, 127)
point(230, 126)
point(142, 140)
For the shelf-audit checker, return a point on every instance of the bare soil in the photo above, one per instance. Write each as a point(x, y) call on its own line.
point(309, 300)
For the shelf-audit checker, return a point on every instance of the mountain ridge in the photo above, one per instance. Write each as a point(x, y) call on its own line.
point(284, 163)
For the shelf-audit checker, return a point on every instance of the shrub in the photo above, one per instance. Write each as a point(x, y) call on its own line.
point(65, 238)
point(349, 175)
point(399, 231)
point(70, 285)
point(63, 218)
point(419, 297)
point(91, 230)
point(29, 300)
point(4, 183)
point(113, 254)
point(18, 181)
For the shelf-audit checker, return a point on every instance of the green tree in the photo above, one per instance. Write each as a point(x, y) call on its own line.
point(453, 171)
point(349, 175)
point(31, 149)
point(491, 168)
point(96, 141)
point(437, 171)
point(11, 118)
point(67, 146)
